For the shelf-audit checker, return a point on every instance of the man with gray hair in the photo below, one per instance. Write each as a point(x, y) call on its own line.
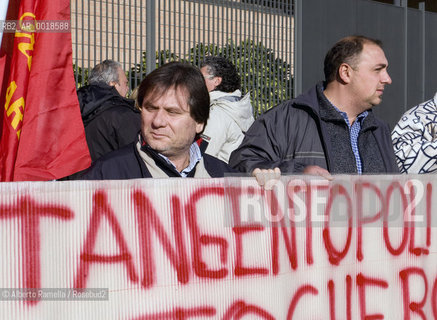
point(111, 120)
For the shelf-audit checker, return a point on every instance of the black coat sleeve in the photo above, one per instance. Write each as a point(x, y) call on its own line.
point(386, 147)
point(117, 165)
point(265, 144)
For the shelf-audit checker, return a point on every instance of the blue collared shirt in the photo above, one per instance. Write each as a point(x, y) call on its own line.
point(354, 131)
point(195, 156)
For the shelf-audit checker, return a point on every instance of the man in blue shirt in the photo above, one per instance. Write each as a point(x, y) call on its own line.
point(331, 128)
point(174, 103)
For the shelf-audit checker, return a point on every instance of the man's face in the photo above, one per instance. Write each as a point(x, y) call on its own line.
point(122, 84)
point(167, 125)
point(369, 77)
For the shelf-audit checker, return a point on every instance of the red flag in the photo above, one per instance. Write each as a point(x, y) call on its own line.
point(43, 137)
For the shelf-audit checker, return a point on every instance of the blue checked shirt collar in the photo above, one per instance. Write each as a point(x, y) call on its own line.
point(195, 156)
point(354, 131)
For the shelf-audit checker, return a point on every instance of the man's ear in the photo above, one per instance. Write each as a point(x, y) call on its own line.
point(344, 72)
point(199, 127)
point(112, 83)
point(217, 81)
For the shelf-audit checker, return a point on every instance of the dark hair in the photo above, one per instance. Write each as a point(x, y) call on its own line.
point(346, 50)
point(178, 75)
point(106, 71)
point(221, 67)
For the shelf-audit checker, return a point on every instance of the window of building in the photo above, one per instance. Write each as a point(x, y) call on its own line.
point(385, 1)
point(285, 6)
point(430, 5)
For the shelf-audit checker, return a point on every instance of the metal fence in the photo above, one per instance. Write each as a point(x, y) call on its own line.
point(256, 35)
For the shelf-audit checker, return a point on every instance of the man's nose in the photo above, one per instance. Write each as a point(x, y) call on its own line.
point(386, 78)
point(159, 120)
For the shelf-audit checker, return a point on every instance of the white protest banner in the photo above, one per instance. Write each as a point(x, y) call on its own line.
point(358, 247)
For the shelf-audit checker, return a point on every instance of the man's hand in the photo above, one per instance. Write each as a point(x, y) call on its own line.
point(318, 171)
point(267, 178)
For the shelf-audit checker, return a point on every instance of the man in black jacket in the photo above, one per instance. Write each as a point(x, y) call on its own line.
point(329, 129)
point(174, 103)
point(111, 121)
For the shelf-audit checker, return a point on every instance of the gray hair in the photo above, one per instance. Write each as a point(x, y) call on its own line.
point(106, 71)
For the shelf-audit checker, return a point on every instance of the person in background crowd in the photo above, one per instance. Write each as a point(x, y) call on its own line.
point(231, 114)
point(330, 129)
point(134, 95)
point(111, 121)
point(174, 104)
point(415, 138)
